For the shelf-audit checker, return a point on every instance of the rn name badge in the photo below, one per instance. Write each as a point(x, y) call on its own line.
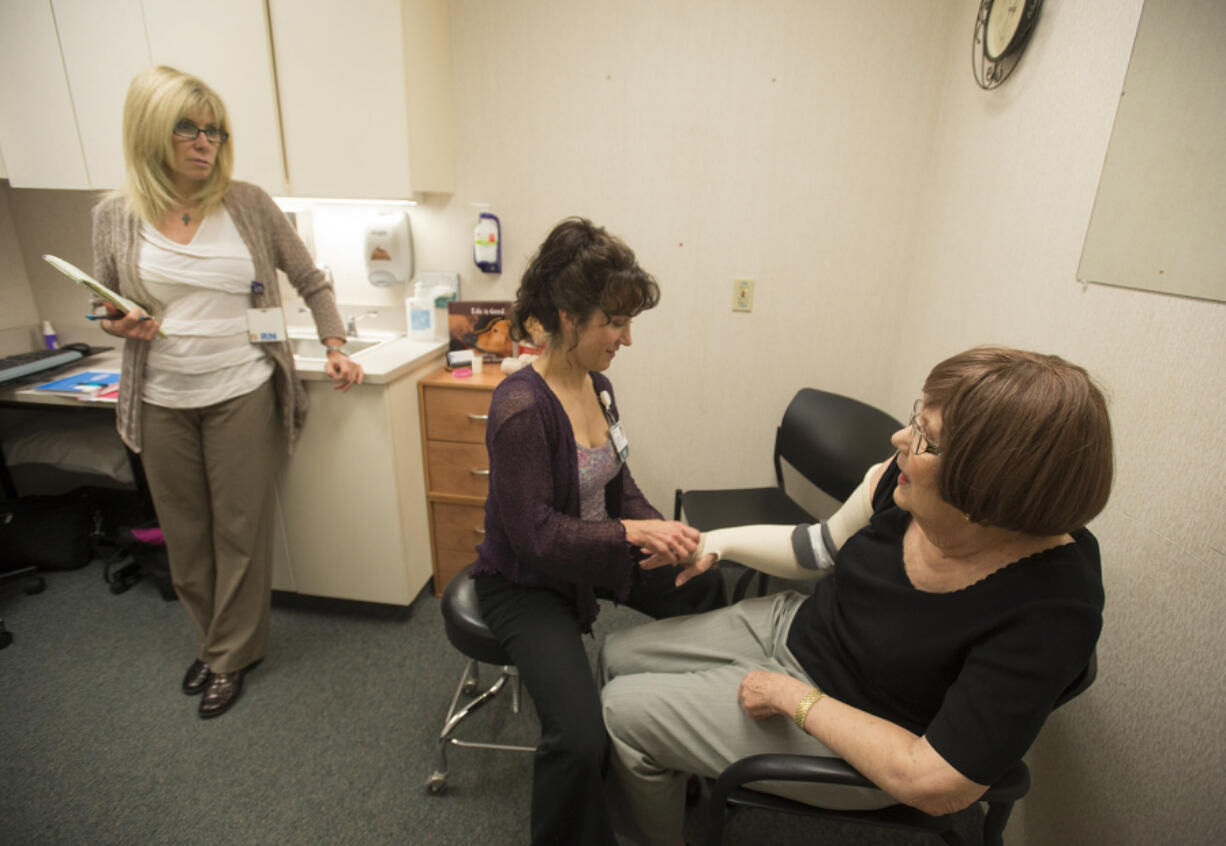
point(266, 325)
point(620, 443)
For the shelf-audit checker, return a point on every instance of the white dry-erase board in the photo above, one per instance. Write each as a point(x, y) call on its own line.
point(1160, 212)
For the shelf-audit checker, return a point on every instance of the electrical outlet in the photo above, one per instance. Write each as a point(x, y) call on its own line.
point(742, 295)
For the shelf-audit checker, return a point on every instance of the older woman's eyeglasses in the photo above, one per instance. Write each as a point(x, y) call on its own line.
point(188, 131)
point(919, 441)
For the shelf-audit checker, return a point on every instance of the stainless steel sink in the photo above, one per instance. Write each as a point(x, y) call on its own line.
point(311, 348)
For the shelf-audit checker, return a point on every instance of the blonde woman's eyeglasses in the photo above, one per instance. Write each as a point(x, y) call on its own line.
point(188, 131)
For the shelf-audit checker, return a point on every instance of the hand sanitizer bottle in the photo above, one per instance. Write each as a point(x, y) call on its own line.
point(487, 243)
point(49, 337)
point(419, 311)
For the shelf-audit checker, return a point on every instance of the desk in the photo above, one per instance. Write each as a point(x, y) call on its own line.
point(19, 396)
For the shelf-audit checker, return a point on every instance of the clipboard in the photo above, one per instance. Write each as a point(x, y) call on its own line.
point(79, 276)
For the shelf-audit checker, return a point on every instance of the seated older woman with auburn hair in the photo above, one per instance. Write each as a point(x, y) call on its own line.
point(965, 596)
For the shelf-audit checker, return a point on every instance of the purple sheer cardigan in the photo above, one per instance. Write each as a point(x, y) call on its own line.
point(533, 534)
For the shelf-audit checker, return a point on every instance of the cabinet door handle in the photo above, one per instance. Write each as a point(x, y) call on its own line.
point(477, 472)
point(478, 530)
point(480, 418)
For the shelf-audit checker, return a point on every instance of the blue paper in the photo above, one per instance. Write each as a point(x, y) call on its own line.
point(89, 382)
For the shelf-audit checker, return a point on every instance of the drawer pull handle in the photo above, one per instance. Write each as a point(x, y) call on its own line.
point(480, 418)
point(478, 530)
point(477, 472)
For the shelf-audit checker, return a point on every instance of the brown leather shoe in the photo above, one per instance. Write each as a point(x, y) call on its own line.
point(196, 678)
point(221, 693)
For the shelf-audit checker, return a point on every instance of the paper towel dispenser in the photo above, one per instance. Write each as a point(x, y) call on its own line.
point(389, 249)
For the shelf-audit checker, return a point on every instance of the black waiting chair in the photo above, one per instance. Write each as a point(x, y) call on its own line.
point(472, 637)
point(729, 792)
point(828, 438)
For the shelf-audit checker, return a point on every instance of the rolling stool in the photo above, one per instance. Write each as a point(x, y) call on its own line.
point(469, 634)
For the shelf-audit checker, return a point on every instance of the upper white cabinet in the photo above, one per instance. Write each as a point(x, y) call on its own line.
point(65, 66)
point(365, 96)
point(358, 97)
point(38, 133)
point(103, 46)
point(225, 43)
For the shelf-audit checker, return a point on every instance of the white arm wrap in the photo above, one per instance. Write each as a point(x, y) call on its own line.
point(793, 552)
point(854, 514)
point(767, 549)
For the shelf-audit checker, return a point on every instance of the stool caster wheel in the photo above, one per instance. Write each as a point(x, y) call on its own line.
point(437, 784)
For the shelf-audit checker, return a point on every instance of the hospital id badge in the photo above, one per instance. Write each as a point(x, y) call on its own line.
point(266, 325)
point(619, 440)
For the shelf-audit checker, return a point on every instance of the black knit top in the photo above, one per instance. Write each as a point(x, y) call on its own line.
point(977, 670)
point(533, 533)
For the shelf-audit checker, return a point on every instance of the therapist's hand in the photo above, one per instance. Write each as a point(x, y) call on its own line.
point(343, 370)
point(129, 325)
point(662, 541)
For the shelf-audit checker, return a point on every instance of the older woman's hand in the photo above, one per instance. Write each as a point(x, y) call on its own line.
point(691, 566)
point(662, 541)
point(130, 325)
point(764, 694)
point(343, 370)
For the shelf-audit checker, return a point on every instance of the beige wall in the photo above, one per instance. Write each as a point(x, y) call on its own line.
point(1138, 759)
point(55, 222)
point(18, 313)
point(891, 213)
point(783, 141)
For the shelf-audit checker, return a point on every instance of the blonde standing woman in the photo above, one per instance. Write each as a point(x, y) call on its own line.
point(205, 407)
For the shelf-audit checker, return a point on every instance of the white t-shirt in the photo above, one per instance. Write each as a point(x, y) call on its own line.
point(206, 287)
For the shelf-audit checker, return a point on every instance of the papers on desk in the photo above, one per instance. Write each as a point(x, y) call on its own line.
point(94, 385)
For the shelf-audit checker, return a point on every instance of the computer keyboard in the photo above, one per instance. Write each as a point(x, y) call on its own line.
point(23, 364)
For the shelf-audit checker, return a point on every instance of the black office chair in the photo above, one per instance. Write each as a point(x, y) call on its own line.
point(27, 581)
point(472, 637)
point(22, 575)
point(729, 792)
point(830, 439)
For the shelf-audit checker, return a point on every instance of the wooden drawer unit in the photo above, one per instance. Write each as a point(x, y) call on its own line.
point(460, 469)
point(457, 530)
point(455, 414)
point(453, 417)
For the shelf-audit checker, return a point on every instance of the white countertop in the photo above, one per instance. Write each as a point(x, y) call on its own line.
point(383, 363)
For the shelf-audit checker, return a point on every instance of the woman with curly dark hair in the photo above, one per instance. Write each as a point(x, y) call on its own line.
point(565, 522)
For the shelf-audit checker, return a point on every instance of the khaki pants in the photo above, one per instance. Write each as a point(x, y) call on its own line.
point(210, 471)
point(670, 706)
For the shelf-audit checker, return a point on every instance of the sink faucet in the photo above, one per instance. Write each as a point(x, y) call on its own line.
point(351, 326)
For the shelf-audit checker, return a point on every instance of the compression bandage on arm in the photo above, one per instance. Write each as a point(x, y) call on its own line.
point(793, 552)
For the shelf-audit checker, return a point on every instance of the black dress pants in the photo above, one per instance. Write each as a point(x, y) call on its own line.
point(540, 632)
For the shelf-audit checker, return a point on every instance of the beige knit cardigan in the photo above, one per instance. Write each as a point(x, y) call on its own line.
point(273, 245)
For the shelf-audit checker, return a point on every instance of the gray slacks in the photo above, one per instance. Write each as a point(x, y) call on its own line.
point(670, 707)
point(210, 471)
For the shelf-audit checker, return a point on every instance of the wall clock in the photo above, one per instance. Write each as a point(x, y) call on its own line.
point(1002, 30)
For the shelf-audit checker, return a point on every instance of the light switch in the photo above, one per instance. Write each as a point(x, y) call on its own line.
point(742, 295)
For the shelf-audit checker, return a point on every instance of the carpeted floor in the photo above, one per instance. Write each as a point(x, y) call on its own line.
point(331, 743)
